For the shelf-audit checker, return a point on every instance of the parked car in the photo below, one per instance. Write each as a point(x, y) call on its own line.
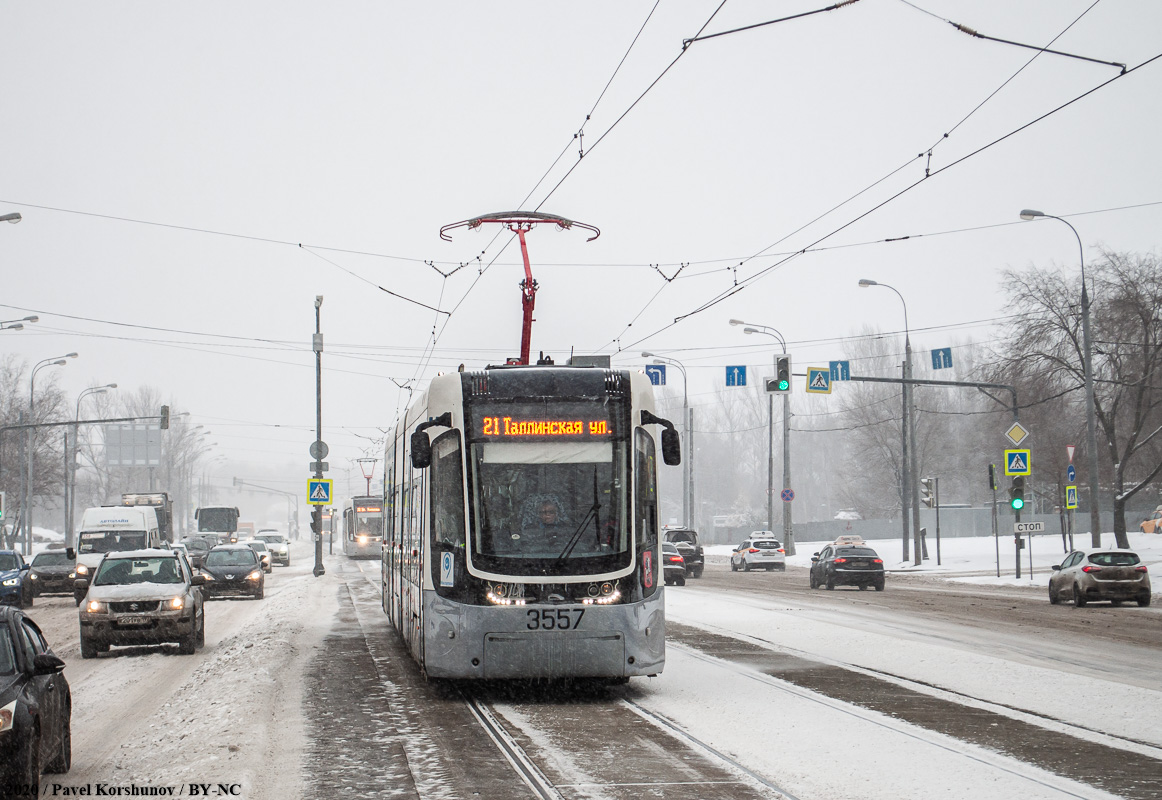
point(1113, 575)
point(673, 565)
point(196, 549)
point(688, 545)
point(277, 544)
point(847, 564)
point(259, 546)
point(233, 569)
point(35, 706)
point(759, 551)
point(53, 572)
point(15, 587)
point(142, 597)
point(1154, 523)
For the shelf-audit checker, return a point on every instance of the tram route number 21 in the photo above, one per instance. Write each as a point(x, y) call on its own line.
point(548, 619)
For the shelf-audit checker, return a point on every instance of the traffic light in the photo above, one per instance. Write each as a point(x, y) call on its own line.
point(927, 495)
point(164, 425)
point(1017, 493)
point(782, 374)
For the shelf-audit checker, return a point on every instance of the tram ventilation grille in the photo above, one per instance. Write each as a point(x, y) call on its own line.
point(477, 382)
point(615, 382)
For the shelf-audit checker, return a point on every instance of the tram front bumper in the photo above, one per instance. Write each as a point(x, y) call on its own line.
point(532, 641)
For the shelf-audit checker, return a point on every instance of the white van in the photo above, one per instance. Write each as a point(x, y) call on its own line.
point(112, 528)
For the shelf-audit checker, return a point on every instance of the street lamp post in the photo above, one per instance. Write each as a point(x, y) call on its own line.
point(367, 467)
point(12, 217)
point(16, 324)
point(910, 468)
point(788, 527)
point(1087, 371)
point(688, 461)
point(71, 463)
point(58, 361)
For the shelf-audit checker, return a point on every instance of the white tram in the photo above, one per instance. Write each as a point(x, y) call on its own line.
point(522, 535)
point(363, 527)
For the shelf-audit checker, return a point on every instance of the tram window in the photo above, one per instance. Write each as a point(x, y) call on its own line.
point(447, 476)
point(646, 494)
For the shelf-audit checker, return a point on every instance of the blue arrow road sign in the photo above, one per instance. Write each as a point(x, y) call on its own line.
point(840, 371)
point(656, 373)
point(1070, 473)
point(736, 376)
point(942, 358)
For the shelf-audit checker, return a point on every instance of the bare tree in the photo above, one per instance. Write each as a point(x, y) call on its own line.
point(1045, 349)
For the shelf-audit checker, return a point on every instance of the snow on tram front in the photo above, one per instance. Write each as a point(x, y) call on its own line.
point(522, 525)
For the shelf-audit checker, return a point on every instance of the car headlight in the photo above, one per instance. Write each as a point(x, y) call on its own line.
point(34, 576)
point(6, 715)
point(12, 582)
point(255, 576)
point(82, 569)
point(96, 607)
point(177, 602)
point(208, 576)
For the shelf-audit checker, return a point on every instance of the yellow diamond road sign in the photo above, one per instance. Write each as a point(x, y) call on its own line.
point(1016, 433)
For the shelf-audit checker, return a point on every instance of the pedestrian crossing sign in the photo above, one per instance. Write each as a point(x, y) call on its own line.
point(1071, 497)
point(819, 380)
point(319, 491)
point(1018, 462)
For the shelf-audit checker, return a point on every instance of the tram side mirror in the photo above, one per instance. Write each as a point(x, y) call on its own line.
point(421, 450)
point(671, 447)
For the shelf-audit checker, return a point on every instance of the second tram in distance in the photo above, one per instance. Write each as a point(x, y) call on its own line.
point(363, 527)
point(522, 534)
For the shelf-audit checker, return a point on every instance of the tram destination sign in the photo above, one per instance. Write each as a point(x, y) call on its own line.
point(573, 422)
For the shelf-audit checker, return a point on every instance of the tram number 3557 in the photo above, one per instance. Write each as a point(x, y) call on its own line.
point(560, 619)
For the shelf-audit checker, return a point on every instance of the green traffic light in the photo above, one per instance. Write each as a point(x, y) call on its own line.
point(1017, 503)
point(784, 385)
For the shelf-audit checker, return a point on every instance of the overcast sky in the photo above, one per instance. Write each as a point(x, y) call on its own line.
point(192, 176)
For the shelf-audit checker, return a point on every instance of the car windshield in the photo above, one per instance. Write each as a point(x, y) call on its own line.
point(688, 537)
point(196, 545)
point(110, 541)
point(8, 561)
point(59, 559)
point(766, 544)
point(855, 551)
point(231, 558)
point(258, 547)
point(124, 571)
point(1114, 559)
point(7, 656)
point(669, 548)
point(269, 538)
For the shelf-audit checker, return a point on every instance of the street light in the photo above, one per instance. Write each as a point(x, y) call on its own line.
point(688, 462)
point(16, 324)
point(1087, 371)
point(788, 529)
point(13, 217)
point(58, 361)
point(910, 469)
point(71, 461)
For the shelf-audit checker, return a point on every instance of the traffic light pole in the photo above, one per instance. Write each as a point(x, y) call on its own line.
point(317, 511)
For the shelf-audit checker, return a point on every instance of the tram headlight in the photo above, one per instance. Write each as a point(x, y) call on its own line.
point(606, 594)
point(505, 594)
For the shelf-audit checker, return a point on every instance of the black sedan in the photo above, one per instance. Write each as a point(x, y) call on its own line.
point(673, 565)
point(232, 569)
point(847, 565)
point(52, 572)
point(35, 705)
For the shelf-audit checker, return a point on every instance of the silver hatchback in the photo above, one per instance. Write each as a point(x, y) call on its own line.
point(1113, 575)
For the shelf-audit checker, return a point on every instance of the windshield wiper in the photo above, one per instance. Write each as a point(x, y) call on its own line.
point(594, 513)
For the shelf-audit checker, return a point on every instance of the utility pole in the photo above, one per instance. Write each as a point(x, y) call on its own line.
point(317, 512)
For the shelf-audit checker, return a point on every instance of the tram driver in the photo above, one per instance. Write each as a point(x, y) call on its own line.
point(544, 526)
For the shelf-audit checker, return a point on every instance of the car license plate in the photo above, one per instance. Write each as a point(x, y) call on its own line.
point(132, 621)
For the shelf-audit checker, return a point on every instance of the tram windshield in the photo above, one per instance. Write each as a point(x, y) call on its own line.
point(368, 522)
point(550, 508)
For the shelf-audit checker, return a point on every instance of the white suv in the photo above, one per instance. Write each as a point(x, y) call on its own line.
point(761, 550)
